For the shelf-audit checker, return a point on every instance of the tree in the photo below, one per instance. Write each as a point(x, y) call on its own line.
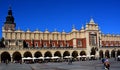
point(33, 45)
point(93, 51)
point(25, 45)
point(2, 45)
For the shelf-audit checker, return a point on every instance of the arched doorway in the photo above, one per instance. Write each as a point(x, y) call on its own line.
point(38, 54)
point(48, 54)
point(66, 53)
point(118, 52)
point(101, 54)
point(82, 53)
point(93, 51)
point(113, 53)
point(17, 56)
point(57, 53)
point(5, 56)
point(107, 54)
point(27, 54)
point(74, 54)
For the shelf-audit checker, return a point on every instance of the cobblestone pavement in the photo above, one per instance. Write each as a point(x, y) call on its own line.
point(79, 65)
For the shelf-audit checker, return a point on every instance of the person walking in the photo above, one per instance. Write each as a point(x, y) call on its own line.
point(107, 64)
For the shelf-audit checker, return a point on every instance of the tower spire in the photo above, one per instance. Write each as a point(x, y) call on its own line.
point(9, 23)
point(92, 21)
point(10, 11)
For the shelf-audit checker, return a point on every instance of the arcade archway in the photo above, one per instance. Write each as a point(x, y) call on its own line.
point(5, 56)
point(93, 51)
point(101, 54)
point(57, 53)
point(27, 54)
point(113, 53)
point(82, 53)
point(118, 52)
point(107, 54)
point(74, 54)
point(66, 53)
point(38, 54)
point(16, 56)
point(48, 54)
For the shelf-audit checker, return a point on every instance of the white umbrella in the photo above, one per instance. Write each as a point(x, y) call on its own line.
point(68, 57)
point(47, 57)
point(55, 57)
point(88, 56)
point(79, 56)
point(118, 56)
point(92, 55)
point(27, 58)
point(84, 56)
point(41, 58)
point(34, 58)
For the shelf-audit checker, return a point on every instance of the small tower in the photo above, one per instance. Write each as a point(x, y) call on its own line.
point(9, 23)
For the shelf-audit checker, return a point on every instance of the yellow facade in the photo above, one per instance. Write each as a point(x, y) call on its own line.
point(87, 38)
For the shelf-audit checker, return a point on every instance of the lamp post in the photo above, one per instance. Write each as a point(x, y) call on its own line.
point(115, 53)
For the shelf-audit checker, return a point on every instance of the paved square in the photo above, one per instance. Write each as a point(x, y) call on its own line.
point(79, 65)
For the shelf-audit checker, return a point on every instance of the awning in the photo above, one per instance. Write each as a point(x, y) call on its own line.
point(68, 57)
point(55, 57)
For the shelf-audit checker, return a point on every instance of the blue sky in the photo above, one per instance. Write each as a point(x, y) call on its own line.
point(62, 14)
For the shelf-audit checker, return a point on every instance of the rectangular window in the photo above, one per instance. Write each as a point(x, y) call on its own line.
point(61, 44)
point(28, 44)
point(36, 44)
point(67, 44)
point(111, 43)
point(45, 44)
point(16, 43)
point(6, 42)
point(106, 43)
point(79, 43)
point(53, 44)
point(93, 39)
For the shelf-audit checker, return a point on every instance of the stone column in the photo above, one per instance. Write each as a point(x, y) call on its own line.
point(11, 58)
point(52, 54)
point(0, 58)
point(22, 57)
point(70, 53)
point(97, 54)
point(61, 55)
point(110, 55)
point(103, 55)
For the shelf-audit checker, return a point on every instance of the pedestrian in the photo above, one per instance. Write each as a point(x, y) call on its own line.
point(6, 61)
point(106, 64)
point(103, 60)
point(70, 61)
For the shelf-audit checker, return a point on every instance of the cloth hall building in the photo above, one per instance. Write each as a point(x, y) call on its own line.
point(87, 41)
